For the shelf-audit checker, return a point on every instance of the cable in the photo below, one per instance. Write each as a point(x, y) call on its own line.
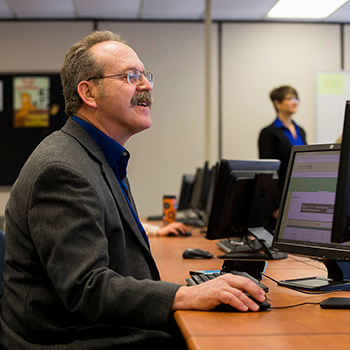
point(290, 306)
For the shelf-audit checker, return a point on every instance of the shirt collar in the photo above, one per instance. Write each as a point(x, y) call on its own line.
point(117, 156)
point(279, 124)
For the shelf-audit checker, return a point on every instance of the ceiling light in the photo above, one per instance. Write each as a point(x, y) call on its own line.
point(304, 8)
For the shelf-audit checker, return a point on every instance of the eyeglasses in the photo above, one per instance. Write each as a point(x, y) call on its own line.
point(134, 77)
point(292, 99)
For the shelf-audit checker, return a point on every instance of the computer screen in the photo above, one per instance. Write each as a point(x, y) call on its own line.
point(242, 205)
point(304, 224)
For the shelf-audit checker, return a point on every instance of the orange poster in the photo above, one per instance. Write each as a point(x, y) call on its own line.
point(31, 100)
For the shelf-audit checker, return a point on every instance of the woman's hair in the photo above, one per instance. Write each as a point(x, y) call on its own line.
point(280, 93)
point(80, 64)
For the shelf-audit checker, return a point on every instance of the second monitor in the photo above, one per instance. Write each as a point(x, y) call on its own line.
point(242, 206)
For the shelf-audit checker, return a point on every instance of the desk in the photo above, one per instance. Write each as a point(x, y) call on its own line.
point(302, 327)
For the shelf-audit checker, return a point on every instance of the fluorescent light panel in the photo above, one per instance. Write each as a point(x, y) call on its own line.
point(304, 8)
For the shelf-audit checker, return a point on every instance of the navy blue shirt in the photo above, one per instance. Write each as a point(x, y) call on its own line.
point(294, 142)
point(117, 157)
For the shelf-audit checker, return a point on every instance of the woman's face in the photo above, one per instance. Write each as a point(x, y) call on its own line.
point(289, 105)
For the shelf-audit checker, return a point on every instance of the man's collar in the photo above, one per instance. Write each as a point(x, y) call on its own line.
point(111, 149)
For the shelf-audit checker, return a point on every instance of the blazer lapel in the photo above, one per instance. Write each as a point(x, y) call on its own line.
point(280, 134)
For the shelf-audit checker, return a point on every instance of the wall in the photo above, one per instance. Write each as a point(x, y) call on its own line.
point(256, 57)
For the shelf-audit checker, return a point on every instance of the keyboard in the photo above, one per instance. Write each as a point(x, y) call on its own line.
point(204, 277)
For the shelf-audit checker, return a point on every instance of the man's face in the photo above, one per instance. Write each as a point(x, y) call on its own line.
point(117, 110)
point(289, 104)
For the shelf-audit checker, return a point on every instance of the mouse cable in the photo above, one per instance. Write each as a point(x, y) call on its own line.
point(301, 290)
point(290, 306)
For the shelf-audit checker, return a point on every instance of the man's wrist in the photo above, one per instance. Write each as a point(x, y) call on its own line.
point(182, 299)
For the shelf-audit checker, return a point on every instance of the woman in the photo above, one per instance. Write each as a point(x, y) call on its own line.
point(277, 139)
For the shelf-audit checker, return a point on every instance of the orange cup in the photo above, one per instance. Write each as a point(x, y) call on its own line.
point(169, 209)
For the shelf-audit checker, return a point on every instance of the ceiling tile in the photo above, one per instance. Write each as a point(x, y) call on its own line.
point(42, 8)
point(241, 10)
point(341, 15)
point(222, 10)
point(118, 9)
point(173, 10)
point(5, 11)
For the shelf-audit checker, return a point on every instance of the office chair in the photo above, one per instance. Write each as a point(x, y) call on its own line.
point(2, 254)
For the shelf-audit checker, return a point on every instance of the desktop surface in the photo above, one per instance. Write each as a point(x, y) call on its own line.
point(307, 326)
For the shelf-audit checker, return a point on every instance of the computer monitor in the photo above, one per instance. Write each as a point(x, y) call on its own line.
point(305, 220)
point(185, 191)
point(341, 217)
point(211, 189)
point(207, 172)
point(197, 188)
point(242, 205)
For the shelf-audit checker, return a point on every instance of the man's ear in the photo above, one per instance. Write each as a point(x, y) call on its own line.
point(87, 93)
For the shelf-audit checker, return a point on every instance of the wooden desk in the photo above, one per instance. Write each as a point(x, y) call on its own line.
point(302, 327)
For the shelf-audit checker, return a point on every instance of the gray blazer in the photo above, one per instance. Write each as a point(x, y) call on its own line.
point(78, 271)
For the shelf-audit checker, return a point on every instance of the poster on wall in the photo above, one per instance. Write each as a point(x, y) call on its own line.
point(31, 101)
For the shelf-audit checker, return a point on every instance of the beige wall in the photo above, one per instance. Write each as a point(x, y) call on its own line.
point(256, 57)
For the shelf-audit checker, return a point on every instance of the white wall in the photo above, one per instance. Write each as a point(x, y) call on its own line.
point(256, 57)
point(38, 46)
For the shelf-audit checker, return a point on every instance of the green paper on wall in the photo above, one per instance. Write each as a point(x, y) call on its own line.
point(331, 84)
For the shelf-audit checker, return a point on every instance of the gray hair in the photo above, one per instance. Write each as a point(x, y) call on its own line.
point(80, 64)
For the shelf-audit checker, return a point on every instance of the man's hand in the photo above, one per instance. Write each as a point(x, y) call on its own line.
point(226, 289)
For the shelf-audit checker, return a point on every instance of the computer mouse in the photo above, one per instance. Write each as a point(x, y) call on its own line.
point(263, 306)
point(194, 253)
point(180, 234)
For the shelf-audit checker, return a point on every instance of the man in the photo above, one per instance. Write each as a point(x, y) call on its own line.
point(79, 271)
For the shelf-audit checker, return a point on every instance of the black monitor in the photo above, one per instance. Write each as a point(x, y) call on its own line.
point(197, 188)
point(242, 205)
point(207, 172)
point(185, 191)
point(211, 189)
point(305, 222)
point(341, 218)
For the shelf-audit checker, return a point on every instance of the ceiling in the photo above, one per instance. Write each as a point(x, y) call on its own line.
point(189, 10)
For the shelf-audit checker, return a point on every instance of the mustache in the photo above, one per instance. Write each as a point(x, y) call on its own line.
point(143, 97)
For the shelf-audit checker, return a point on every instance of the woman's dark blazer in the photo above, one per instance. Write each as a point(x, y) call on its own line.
point(274, 144)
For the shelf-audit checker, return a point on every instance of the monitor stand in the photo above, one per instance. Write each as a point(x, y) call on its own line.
point(265, 239)
point(338, 278)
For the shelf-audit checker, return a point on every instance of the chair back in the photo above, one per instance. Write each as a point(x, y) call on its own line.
point(2, 255)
